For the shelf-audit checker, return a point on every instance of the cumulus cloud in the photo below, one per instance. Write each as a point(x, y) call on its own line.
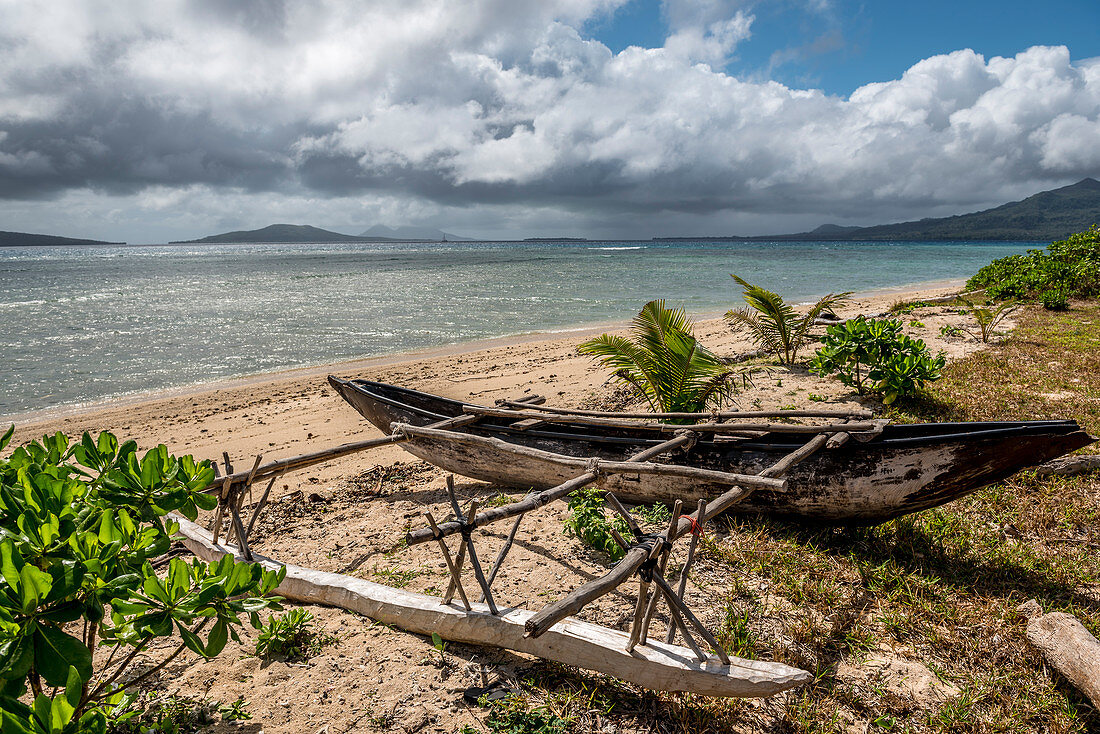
point(505, 109)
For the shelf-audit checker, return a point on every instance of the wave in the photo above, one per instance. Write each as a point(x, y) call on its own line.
point(632, 247)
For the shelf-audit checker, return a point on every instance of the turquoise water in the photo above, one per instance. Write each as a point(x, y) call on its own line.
point(85, 323)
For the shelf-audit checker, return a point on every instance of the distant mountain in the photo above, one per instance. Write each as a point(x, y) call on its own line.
point(412, 233)
point(22, 239)
point(280, 233)
point(1044, 217)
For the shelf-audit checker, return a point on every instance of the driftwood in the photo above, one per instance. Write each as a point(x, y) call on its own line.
point(1069, 466)
point(1067, 646)
point(657, 666)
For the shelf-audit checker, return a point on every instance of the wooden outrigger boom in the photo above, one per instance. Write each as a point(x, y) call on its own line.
point(659, 666)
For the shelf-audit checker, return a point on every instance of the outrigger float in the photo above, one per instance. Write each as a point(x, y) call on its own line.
point(851, 468)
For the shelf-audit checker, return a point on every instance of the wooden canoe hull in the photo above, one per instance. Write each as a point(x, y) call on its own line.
point(905, 469)
point(655, 665)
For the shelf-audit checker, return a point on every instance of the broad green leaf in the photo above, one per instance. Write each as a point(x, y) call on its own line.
point(191, 640)
point(6, 438)
point(74, 687)
point(215, 643)
point(11, 563)
point(11, 724)
point(42, 709)
point(35, 585)
point(66, 577)
point(55, 651)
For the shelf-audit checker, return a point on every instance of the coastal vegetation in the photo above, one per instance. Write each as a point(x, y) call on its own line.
point(774, 324)
point(1068, 268)
point(873, 355)
point(80, 526)
point(665, 364)
point(588, 521)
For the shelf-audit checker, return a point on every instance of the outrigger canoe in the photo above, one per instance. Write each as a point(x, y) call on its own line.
point(888, 470)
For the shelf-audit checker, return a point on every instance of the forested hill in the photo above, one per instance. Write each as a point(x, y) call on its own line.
point(288, 233)
point(23, 239)
point(1046, 216)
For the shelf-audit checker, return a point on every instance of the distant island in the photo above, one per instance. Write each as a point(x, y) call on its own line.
point(23, 239)
point(280, 234)
point(305, 234)
point(557, 239)
point(1043, 217)
point(408, 233)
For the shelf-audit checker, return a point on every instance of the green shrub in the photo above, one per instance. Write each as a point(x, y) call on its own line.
point(589, 522)
point(1054, 299)
point(78, 526)
point(290, 636)
point(1070, 266)
point(873, 355)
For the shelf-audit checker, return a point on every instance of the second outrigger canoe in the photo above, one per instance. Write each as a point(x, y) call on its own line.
point(888, 471)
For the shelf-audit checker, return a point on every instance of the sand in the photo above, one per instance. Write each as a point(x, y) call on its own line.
point(349, 515)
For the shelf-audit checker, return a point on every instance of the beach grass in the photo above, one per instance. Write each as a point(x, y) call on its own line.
point(939, 588)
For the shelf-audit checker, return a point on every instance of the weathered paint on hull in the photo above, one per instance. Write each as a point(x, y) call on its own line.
point(855, 483)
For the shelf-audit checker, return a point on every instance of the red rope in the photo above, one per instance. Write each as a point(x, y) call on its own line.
point(696, 528)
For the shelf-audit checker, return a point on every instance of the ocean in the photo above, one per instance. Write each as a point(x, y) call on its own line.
point(81, 324)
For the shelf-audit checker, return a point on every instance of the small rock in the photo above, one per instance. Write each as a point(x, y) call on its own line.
point(1029, 609)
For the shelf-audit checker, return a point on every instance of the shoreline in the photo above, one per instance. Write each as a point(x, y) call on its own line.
point(393, 359)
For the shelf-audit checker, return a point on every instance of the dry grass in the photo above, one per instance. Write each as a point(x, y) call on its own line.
point(939, 588)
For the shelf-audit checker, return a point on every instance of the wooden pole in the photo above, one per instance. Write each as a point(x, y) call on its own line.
point(682, 586)
point(624, 514)
point(784, 465)
point(639, 615)
point(242, 538)
point(726, 414)
point(674, 601)
point(262, 504)
point(504, 551)
point(626, 567)
point(661, 566)
point(475, 565)
point(534, 501)
point(301, 461)
point(460, 559)
point(455, 577)
point(717, 428)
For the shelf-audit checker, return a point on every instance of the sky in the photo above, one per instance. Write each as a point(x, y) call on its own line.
point(148, 122)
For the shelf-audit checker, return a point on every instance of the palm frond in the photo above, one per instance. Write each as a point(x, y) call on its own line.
point(774, 325)
point(663, 361)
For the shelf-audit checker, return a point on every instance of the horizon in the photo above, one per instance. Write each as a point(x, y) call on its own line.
point(600, 119)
